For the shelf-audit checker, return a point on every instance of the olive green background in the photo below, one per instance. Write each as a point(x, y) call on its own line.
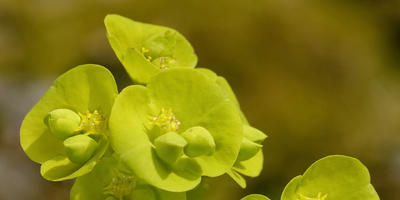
point(319, 77)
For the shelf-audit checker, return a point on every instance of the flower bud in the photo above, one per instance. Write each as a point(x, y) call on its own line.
point(253, 134)
point(248, 149)
point(169, 146)
point(188, 168)
point(63, 123)
point(80, 148)
point(200, 142)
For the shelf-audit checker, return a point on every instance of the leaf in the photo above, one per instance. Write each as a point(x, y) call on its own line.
point(143, 48)
point(330, 178)
point(86, 87)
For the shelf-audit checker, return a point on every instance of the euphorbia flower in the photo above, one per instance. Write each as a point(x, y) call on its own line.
point(66, 131)
point(146, 49)
point(331, 178)
point(137, 44)
point(177, 129)
point(112, 180)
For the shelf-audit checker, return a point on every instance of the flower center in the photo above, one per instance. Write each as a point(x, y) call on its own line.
point(166, 120)
point(163, 62)
point(121, 185)
point(92, 122)
point(319, 197)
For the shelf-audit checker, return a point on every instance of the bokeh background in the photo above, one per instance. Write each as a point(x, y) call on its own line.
point(319, 77)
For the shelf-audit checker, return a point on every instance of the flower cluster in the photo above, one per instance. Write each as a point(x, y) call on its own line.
point(157, 138)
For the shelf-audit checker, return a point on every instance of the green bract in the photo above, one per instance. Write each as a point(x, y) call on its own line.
point(250, 159)
point(146, 49)
point(112, 180)
point(255, 197)
point(66, 130)
point(176, 102)
point(332, 178)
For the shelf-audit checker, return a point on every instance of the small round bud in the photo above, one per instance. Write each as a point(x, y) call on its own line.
point(169, 146)
point(80, 148)
point(63, 123)
point(254, 134)
point(188, 168)
point(248, 149)
point(200, 142)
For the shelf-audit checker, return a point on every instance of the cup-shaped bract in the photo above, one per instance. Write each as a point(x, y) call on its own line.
point(112, 180)
point(145, 49)
point(174, 100)
point(330, 178)
point(249, 163)
point(87, 90)
point(255, 197)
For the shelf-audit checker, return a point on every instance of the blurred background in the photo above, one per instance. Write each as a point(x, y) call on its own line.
point(319, 77)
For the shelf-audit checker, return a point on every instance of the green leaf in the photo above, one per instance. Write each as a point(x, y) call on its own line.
point(109, 174)
point(330, 178)
point(255, 197)
point(190, 99)
point(146, 49)
point(83, 88)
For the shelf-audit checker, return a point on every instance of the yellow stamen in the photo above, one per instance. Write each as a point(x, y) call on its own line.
point(166, 120)
point(120, 186)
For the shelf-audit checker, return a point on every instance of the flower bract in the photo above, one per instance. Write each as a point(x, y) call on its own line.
point(66, 130)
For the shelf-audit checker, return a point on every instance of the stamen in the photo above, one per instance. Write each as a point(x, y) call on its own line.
point(144, 50)
point(92, 123)
point(120, 186)
point(166, 120)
